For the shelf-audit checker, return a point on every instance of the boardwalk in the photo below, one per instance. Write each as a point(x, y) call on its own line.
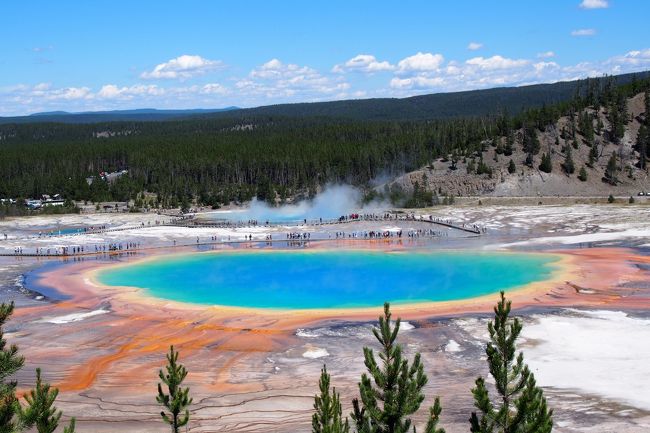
point(389, 217)
point(117, 247)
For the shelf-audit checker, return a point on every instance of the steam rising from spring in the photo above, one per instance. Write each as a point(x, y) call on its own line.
point(332, 202)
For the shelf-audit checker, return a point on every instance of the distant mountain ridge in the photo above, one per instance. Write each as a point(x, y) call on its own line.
point(472, 103)
point(140, 114)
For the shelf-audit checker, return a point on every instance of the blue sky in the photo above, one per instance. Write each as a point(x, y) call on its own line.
point(94, 55)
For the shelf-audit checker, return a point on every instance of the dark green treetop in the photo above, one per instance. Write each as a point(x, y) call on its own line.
point(40, 411)
point(328, 415)
point(10, 363)
point(177, 399)
point(520, 406)
point(392, 389)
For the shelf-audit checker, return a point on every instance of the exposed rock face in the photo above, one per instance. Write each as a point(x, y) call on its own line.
point(452, 182)
point(442, 178)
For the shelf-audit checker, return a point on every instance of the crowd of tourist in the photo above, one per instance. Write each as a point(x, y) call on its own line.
point(298, 236)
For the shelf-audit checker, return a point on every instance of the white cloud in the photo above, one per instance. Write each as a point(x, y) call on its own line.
point(421, 62)
point(275, 81)
point(583, 32)
point(545, 55)
point(278, 82)
point(473, 46)
point(419, 81)
point(274, 68)
point(594, 4)
point(543, 67)
point(182, 67)
point(41, 87)
point(479, 72)
point(214, 89)
point(363, 63)
point(111, 91)
point(70, 93)
point(496, 62)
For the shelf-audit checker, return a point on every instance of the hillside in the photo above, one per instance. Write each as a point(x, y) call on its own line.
point(475, 103)
point(528, 181)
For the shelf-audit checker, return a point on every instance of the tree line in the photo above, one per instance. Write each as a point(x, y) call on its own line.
point(214, 160)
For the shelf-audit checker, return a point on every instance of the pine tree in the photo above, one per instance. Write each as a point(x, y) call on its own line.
point(511, 167)
point(177, 400)
point(529, 160)
point(10, 364)
point(593, 155)
point(643, 145)
point(521, 406)
point(546, 165)
point(531, 141)
point(328, 415)
point(395, 390)
point(569, 166)
point(40, 411)
point(510, 141)
point(582, 175)
point(612, 168)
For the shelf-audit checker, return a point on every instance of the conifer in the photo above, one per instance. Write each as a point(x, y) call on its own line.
point(593, 155)
point(177, 399)
point(582, 175)
point(569, 166)
point(393, 389)
point(546, 165)
point(520, 406)
point(40, 411)
point(612, 168)
point(10, 363)
point(328, 415)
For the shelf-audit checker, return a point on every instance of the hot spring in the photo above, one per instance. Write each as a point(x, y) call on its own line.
point(321, 279)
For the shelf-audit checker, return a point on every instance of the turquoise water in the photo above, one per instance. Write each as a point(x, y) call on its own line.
point(329, 278)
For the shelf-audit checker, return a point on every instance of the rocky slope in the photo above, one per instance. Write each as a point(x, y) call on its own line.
point(442, 178)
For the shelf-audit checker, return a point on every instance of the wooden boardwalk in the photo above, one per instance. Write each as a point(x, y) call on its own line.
point(440, 222)
point(192, 223)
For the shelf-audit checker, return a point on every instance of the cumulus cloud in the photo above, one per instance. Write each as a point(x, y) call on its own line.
point(363, 63)
point(70, 93)
point(111, 91)
point(480, 72)
point(594, 4)
point(583, 32)
point(496, 62)
point(275, 69)
point(473, 46)
point(278, 81)
point(421, 62)
point(182, 67)
point(545, 55)
point(419, 82)
point(214, 89)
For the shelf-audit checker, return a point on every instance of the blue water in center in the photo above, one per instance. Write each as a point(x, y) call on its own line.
point(329, 278)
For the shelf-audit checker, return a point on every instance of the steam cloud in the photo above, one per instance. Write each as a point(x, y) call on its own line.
point(332, 202)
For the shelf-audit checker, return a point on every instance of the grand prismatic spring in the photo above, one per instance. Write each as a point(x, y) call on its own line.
point(256, 313)
point(328, 278)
